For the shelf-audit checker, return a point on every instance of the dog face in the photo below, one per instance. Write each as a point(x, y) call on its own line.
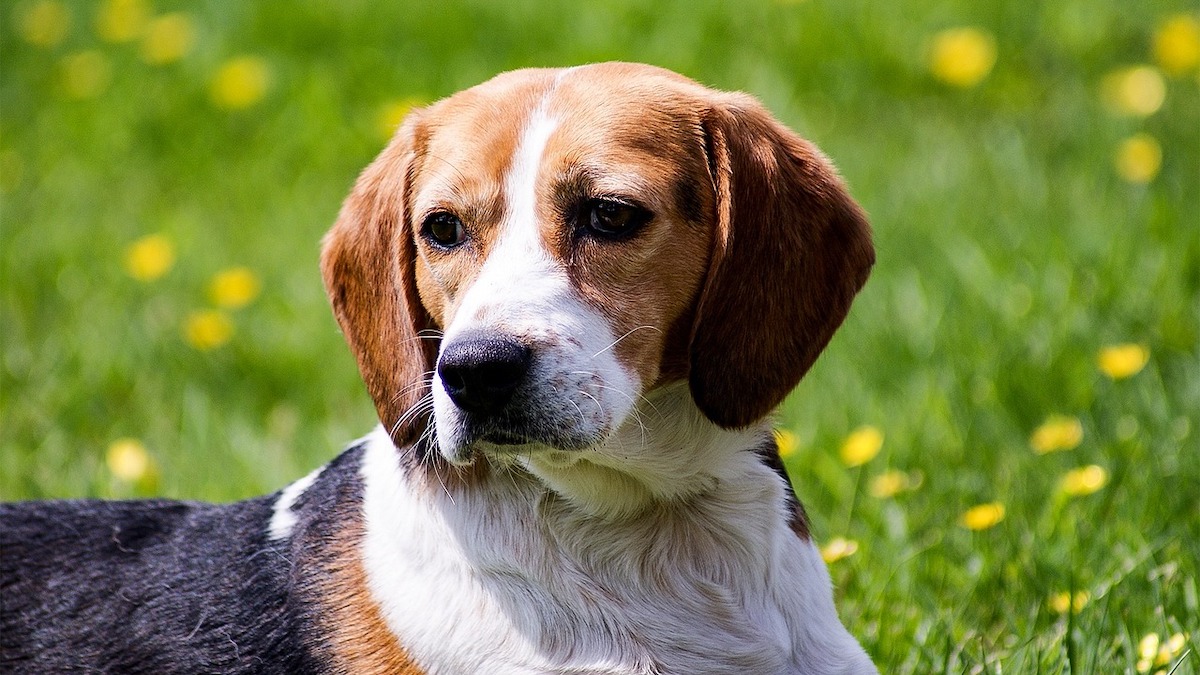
point(531, 258)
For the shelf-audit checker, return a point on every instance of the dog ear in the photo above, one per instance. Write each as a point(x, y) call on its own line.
point(791, 249)
point(367, 261)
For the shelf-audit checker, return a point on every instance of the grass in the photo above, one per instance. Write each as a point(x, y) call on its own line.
point(1011, 251)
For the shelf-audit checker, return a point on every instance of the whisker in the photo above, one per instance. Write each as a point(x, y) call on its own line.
point(631, 332)
point(582, 417)
point(423, 404)
point(426, 381)
point(599, 406)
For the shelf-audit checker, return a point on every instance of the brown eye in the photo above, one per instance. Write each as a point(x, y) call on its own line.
point(611, 219)
point(444, 229)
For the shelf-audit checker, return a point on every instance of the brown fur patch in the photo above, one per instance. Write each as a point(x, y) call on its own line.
point(358, 638)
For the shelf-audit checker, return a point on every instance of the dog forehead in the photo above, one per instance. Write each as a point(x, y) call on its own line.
point(608, 114)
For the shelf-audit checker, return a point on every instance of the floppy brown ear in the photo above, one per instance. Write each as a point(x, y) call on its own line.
point(367, 262)
point(791, 250)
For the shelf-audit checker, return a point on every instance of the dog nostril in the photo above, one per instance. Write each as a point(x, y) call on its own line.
point(480, 374)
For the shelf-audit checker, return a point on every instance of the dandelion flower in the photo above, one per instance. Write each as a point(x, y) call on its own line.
point(1137, 91)
point(838, 548)
point(1170, 649)
point(1177, 44)
point(1058, 432)
point(234, 288)
point(1148, 646)
point(240, 83)
point(983, 516)
point(786, 442)
point(1061, 603)
point(1138, 158)
point(45, 23)
point(962, 57)
point(207, 329)
point(168, 38)
point(889, 484)
point(127, 459)
point(391, 114)
point(861, 446)
point(1122, 361)
point(121, 20)
point(1084, 480)
point(86, 74)
point(150, 257)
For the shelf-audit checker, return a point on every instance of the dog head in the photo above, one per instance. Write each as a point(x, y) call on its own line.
point(532, 259)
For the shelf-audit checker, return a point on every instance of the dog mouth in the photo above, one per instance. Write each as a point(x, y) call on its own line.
point(508, 438)
point(505, 437)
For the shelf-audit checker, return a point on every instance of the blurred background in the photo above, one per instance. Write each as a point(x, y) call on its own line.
point(998, 450)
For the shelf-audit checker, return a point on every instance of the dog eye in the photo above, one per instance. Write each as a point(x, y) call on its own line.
point(611, 219)
point(444, 229)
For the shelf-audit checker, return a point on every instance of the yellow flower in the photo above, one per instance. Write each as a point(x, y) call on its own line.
point(207, 329)
point(1148, 646)
point(45, 23)
point(1138, 158)
point(1063, 602)
point(962, 57)
point(838, 548)
point(1137, 91)
point(127, 460)
point(1177, 44)
point(391, 114)
point(86, 74)
point(1084, 480)
point(786, 442)
point(861, 446)
point(1122, 361)
point(1058, 432)
point(168, 38)
point(1170, 649)
point(983, 516)
point(240, 83)
point(150, 257)
point(890, 483)
point(121, 20)
point(233, 288)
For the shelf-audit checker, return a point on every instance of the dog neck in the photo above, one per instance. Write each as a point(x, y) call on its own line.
point(569, 558)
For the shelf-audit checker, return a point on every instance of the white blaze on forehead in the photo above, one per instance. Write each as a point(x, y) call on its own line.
point(520, 186)
point(518, 262)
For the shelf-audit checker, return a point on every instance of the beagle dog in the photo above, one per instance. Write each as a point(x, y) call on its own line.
point(575, 297)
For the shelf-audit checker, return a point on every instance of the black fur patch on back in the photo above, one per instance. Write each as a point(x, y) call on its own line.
point(160, 586)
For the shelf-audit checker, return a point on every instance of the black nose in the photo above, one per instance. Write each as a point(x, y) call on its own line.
point(481, 373)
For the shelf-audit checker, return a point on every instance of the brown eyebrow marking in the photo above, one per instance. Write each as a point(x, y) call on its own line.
point(577, 182)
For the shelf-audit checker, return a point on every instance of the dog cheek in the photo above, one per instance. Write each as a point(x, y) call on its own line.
point(431, 293)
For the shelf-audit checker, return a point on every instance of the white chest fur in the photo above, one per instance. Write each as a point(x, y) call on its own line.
point(511, 579)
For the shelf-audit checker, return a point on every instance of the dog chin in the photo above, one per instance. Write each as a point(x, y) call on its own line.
point(507, 444)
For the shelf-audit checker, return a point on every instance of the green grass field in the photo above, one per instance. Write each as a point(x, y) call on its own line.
point(1029, 213)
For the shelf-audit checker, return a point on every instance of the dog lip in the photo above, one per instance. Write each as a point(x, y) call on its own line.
point(501, 437)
